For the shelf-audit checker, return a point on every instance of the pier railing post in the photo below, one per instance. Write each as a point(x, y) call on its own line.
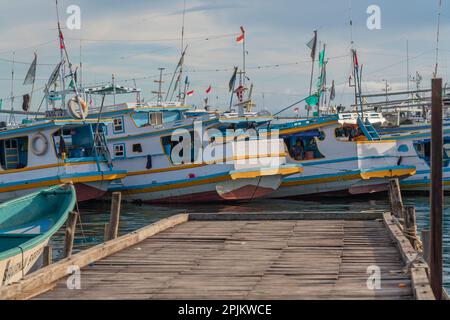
point(70, 233)
point(410, 227)
point(436, 195)
point(113, 226)
point(395, 198)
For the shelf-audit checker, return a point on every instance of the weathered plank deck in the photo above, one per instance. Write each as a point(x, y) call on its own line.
point(249, 257)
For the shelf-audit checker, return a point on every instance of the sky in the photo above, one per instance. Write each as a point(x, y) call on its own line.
point(132, 39)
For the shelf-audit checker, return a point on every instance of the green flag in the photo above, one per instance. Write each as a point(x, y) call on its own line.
point(322, 58)
point(312, 100)
point(1, 103)
point(71, 84)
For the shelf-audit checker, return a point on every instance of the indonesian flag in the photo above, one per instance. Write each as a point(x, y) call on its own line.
point(190, 93)
point(241, 38)
point(208, 91)
point(61, 40)
point(296, 110)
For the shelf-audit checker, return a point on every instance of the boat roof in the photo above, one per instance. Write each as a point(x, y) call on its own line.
point(47, 123)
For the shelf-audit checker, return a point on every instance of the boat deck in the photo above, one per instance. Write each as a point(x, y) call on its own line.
point(250, 259)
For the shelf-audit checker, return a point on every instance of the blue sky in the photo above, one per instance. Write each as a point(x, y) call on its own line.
point(133, 38)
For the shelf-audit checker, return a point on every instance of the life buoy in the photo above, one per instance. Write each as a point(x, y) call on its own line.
point(44, 144)
point(77, 108)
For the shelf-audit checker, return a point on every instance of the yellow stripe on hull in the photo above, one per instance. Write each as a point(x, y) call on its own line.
point(178, 185)
point(388, 173)
point(106, 177)
point(53, 165)
point(266, 172)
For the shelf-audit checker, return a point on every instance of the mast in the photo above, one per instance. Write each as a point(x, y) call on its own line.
point(181, 98)
point(159, 93)
point(12, 117)
point(407, 69)
point(313, 61)
point(63, 63)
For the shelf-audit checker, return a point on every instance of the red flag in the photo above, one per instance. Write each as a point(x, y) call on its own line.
point(296, 110)
point(242, 36)
point(356, 59)
point(240, 93)
point(190, 93)
point(208, 91)
point(61, 40)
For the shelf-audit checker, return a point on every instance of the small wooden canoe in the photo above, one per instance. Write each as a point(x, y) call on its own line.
point(26, 226)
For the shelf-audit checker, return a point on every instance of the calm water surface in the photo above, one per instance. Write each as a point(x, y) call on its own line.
point(96, 214)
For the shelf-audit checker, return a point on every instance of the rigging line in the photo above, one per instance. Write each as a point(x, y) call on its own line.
point(205, 38)
point(28, 47)
point(24, 62)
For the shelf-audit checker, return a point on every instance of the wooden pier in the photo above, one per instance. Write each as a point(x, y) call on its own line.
point(243, 256)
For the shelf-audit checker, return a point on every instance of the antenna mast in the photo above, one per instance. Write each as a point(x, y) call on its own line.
point(11, 117)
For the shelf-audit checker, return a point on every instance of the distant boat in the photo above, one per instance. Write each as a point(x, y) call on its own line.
point(26, 226)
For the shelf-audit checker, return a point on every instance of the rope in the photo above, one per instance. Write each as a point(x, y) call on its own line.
point(411, 235)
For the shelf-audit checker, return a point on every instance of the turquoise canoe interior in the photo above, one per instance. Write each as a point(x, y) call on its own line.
point(28, 221)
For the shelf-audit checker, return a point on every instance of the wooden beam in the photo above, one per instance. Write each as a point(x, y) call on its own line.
point(436, 194)
point(418, 270)
point(395, 197)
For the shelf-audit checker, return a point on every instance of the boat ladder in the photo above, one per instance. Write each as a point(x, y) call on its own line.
point(369, 131)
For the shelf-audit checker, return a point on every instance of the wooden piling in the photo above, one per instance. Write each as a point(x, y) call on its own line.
point(70, 233)
point(395, 198)
point(47, 255)
point(426, 245)
point(410, 228)
point(114, 218)
point(436, 194)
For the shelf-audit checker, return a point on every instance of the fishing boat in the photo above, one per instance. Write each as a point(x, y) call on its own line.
point(415, 149)
point(26, 226)
point(336, 159)
point(38, 154)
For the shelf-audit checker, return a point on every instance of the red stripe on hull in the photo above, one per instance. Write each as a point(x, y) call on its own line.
point(241, 194)
point(86, 192)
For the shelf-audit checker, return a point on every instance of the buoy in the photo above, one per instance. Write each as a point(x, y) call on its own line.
point(44, 144)
point(77, 108)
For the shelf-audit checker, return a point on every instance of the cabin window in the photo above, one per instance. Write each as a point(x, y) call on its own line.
point(14, 153)
point(119, 150)
point(423, 150)
point(118, 126)
point(169, 145)
point(304, 146)
point(156, 118)
point(75, 142)
point(348, 133)
point(137, 148)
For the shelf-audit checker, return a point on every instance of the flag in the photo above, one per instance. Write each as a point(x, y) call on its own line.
point(312, 100)
point(61, 40)
point(1, 103)
point(240, 93)
point(233, 79)
point(332, 92)
point(190, 93)
point(297, 110)
point(322, 58)
point(54, 75)
point(208, 91)
point(355, 58)
point(312, 44)
point(31, 74)
point(241, 38)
